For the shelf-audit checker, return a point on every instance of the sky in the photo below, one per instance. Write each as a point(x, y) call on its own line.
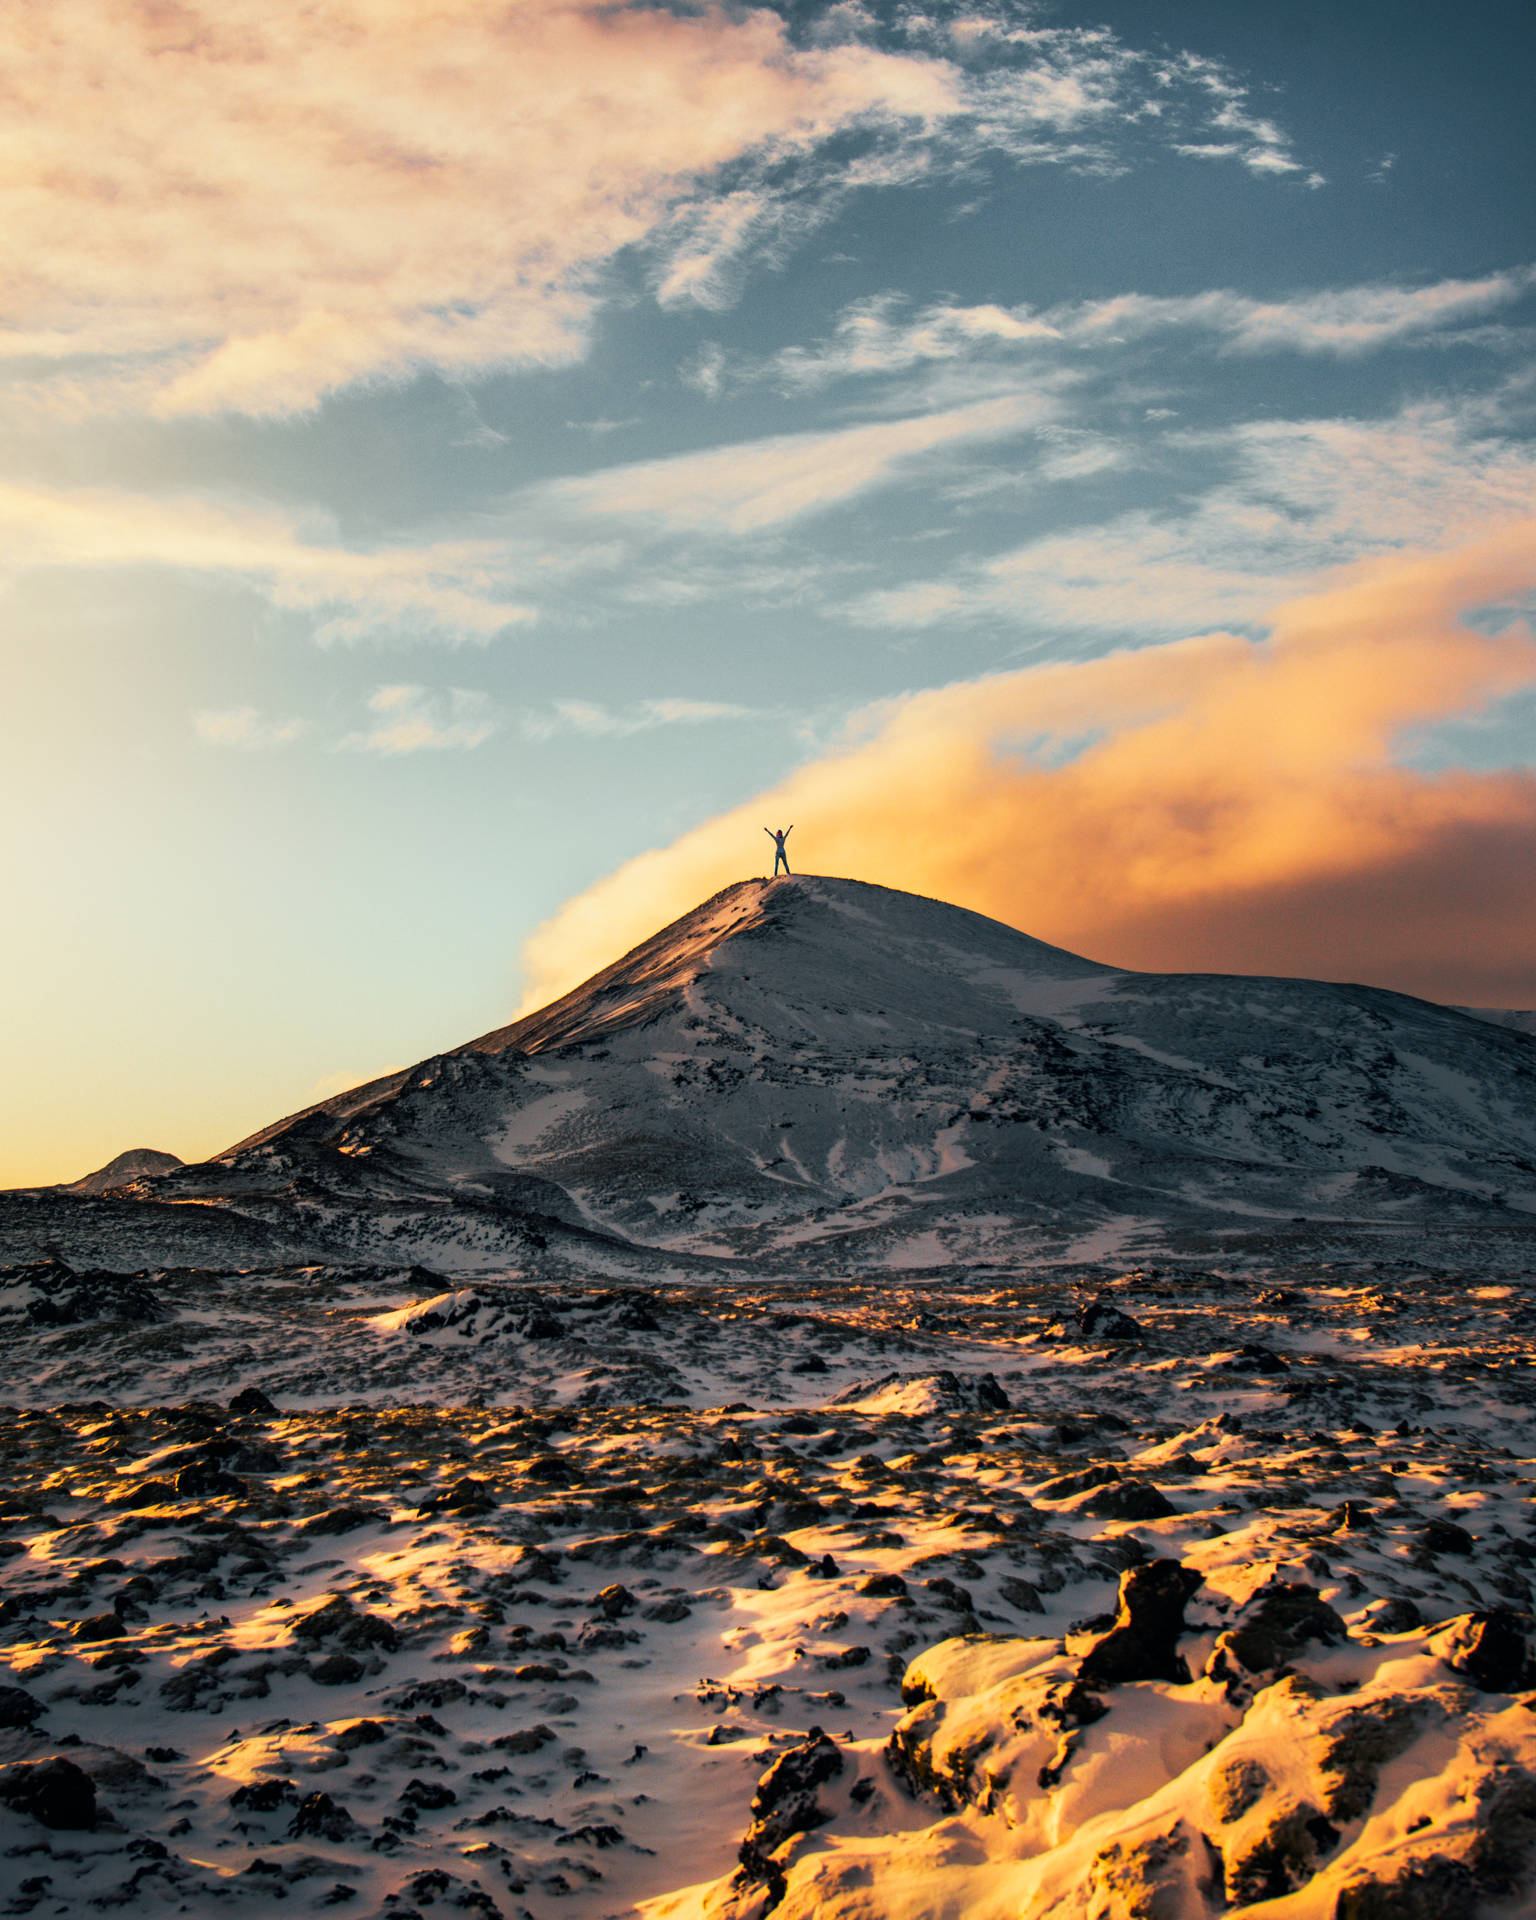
point(466, 468)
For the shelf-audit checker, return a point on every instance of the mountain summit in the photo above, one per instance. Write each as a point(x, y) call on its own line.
point(815, 1069)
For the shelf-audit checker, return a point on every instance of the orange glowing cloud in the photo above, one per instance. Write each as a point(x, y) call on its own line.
point(1216, 804)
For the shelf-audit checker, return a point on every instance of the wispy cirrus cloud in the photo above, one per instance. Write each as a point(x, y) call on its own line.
point(248, 728)
point(598, 721)
point(1341, 322)
point(342, 192)
point(762, 483)
point(875, 338)
point(1295, 497)
point(1237, 131)
point(406, 717)
point(415, 719)
point(458, 589)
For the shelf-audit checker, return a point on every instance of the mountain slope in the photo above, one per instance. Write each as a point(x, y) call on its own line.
point(813, 1068)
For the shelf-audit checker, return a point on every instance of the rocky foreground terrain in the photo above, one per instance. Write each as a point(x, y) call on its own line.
point(1196, 1588)
point(852, 1413)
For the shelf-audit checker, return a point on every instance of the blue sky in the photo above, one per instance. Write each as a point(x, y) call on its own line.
point(450, 453)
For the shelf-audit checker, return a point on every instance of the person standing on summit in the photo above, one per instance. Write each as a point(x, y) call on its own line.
point(778, 835)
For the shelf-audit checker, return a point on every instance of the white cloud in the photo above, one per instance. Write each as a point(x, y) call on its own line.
point(873, 339)
point(453, 588)
point(413, 719)
point(1298, 497)
point(764, 483)
point(595, 720)
point(246, 727)
point(1348, 321)
point(1252, 140)
point(236, 205)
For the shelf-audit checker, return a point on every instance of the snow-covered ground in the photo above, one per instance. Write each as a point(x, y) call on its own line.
point(593, 1561)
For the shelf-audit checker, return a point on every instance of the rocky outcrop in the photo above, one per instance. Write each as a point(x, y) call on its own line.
point(56, 1793)
point(1143, 1644)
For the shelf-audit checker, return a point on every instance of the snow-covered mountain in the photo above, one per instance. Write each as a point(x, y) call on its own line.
point(137, 1163)
point(815, 1069)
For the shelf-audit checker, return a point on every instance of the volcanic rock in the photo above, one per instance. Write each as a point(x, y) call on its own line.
point(1143, 1644)
point(56, 1793)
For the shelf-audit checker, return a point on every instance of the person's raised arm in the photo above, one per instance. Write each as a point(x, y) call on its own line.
point(788, 831)
point(768, 831)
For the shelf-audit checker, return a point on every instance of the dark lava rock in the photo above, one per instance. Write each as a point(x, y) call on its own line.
point(465, 1496)
point(1022, 1594)
point(1129, 1500)
point(1433, 1889)
point(1358, 1743)
point(362, 1733)
point(1098, 1320)
point(1281, 1857)
point(428, 1795)
point(951, 1593)
point(54, 1792)
point(252, 1403)
point(543, 1326)
point(524, 1740)
point(883, 1586)
point(319, 1817)
point(337, 1670)
point(1490, 1649)
point(598, 1635)
point(600, 1835)
point(433, 1887)
point(140, 1494)
point(635, 1317)
point(100, 1626)
point(18, 1708)
point(989, 1396)
point(63, 1298)
point(339, 1520)
point(785, 1804)
point(809, 1363)
point(1444, 1536)
point(669, 1611)
point(1277, 1623)
point(1143, 1644)
point(1065, 1485)
point(203, 1480)
point(263, 1796)
point(1396, 1616)
point(1253, 1358)
point(614, 1602)
point(338, 1621)
point(844, 1658)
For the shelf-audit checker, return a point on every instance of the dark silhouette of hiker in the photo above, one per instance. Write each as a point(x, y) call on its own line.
point(778, 835)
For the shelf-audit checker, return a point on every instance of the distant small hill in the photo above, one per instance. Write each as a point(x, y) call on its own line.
point(132, 1165)
point(1522, 1019)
